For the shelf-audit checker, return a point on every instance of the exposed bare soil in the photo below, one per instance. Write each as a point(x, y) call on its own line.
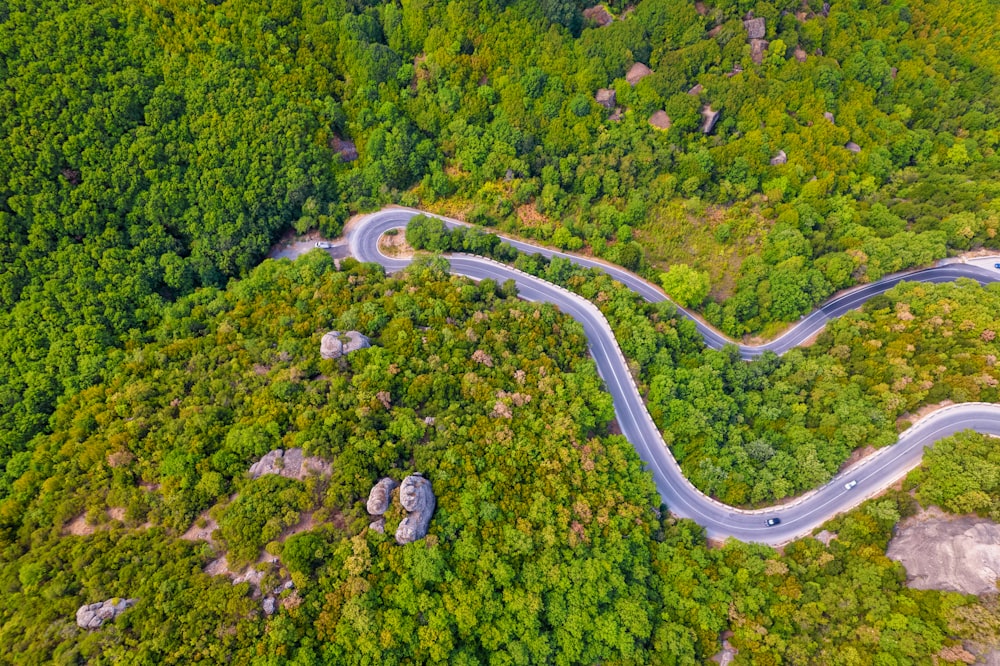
point(395, 246)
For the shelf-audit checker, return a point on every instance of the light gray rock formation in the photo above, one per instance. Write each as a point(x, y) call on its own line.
point(381, 495)
point(757, 49)
point(829, 116)
point(92, 616)
point(696, 90)
point(269, 605)
point(780, 158)
point(853, 147)
point(292, 464)
point(417, 497)
point(378, 525)
point(954, 554)
point(336, 344)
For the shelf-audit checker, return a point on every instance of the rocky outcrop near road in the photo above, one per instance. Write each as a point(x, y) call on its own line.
point(941, 552)
point(336, 344)
point(92, 616)
point(292, 464)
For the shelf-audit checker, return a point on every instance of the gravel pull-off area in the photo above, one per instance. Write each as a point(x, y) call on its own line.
point(945, 553)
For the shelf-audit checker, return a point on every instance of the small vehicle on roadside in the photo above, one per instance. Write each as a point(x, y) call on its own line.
point(771, 522)
point(996, 265)
point(850, 484)
point(323, 245)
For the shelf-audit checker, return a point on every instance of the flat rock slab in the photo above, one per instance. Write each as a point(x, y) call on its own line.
point(954, 554)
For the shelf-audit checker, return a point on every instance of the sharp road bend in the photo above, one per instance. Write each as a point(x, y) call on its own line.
point(799, 516)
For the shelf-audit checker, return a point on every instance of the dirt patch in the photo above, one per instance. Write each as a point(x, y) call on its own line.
point(79, 526)
point(921, 413)
point(204, 533)
point(395, 245)
point(529, 215)
point(305, 524)
point(857, 455)
point(978, 253)
point(945, 552)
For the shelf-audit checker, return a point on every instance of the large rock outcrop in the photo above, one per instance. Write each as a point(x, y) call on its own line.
point(945, 553)
point(92, 616)
point(292, 464)
point(381, 495)
point(417, 497)
point(336, 344)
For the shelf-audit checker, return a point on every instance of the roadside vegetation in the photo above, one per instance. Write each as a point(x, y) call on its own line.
point(754, 433)
point(549, 544)
point(150, 153)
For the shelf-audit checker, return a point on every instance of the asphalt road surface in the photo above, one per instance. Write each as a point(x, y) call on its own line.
point(799, 516)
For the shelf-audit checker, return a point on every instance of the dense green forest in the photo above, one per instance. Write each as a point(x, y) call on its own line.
point(150, 153)
point(153, 148)
point(549, 544)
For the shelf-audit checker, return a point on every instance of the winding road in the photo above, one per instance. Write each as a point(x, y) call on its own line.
point(799, 516)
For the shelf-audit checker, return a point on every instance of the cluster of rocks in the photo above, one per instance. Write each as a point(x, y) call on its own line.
point(291, 464)
point(415, 495)
point(270, 602)
point(92, 616)
point(336, 344)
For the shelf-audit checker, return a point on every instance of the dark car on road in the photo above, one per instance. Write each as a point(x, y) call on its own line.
point(771, 522)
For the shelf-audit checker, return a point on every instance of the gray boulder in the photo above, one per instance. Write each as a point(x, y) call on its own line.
point(336, 344)
point(417, 497)
point(380, 496)
point(92, 616)
point(269, 605)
